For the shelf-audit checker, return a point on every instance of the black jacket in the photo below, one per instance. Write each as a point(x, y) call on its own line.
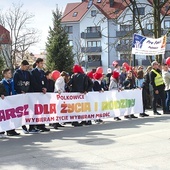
point(22, 81)
point(50, 85)
point(79, 82)
point(38, 80)
point(97, 86)
point(2, 90)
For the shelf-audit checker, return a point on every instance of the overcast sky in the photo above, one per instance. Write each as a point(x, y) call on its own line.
point(42, 10)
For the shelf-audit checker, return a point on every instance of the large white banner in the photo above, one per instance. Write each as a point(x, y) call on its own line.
point(38, 108)
point(148, 46)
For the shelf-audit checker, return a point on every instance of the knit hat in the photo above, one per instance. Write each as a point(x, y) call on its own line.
point(90, 74)
point(77, 69)
point(115, 74)
point(97, 76)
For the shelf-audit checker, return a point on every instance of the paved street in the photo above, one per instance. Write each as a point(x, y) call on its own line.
point(141, 144)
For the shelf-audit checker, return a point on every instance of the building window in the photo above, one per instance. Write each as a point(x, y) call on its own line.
point(93, 13)
point(140, 11)
point(149, 26)
point(69, 29)
point(111, 3)
point(70, 43)
point(92, 58)
point(75, 14)
point(167, 24)
point(125, 42)
point(93, 29)
point(93, 43)
point(125, 27)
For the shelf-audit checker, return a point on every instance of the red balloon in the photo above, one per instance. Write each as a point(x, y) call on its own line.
point(168, 61)
point(130, 68)
point(125, 64)
point(115, 63)
point(99, 70)
point(55, 75)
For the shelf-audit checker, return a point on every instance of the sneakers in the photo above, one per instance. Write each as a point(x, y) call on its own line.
point(25, 130)
point(13, 134)
point(75, 124)
point(117, 118)
point(55, 127)
point(156, 113)
point(44, 130)
point(143, 115)
point(3, 136)
point(86, 122)
point(127, 117)
point(133, 116)
point(98, 121)
point(33, 131)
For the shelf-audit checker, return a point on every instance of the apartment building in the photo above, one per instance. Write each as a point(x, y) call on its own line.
point(101, 31)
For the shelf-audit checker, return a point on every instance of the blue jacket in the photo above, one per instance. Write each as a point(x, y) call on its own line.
point(9, 87)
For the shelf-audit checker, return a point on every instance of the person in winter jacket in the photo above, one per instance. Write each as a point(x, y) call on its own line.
point(79, 82)
point(8, 84)
point(140, 83)
point(114, 85)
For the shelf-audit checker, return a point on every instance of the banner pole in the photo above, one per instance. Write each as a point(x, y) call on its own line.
point(134, 56)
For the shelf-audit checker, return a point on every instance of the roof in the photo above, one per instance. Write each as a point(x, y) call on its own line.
point(4, 36)
point(110, 12)
point(71, 8)
point(81, 9)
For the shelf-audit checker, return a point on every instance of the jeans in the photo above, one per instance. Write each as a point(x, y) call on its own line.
point(155, 98)
point(167, 103)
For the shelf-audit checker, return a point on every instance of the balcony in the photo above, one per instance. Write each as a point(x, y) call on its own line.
point(146, 63)
point(150, 32)
point(123, 33)
point(94, 63)
point(91, 49)
point(123, 47)
point(91, 35)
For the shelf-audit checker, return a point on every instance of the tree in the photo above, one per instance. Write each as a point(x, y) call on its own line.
point(160, 9)
point(1, 66)
point(22, 35)
point(59, 53)
point(78, 55)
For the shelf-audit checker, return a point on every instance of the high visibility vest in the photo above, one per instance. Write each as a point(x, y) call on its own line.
point(158, 79)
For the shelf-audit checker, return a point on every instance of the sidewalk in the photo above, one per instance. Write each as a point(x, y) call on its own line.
point(138, 144)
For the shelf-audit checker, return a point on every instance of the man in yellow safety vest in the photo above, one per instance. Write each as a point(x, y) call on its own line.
point(158, 85)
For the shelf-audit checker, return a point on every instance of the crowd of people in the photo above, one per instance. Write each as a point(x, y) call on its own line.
point(154, 83)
